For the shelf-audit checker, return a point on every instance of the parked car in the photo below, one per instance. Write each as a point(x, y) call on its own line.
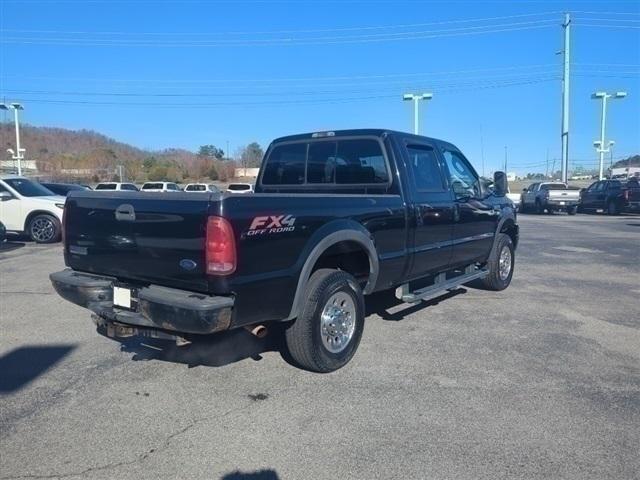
point(160, 187)
point(201, 187)
point(26, 207)
point(610, 196)
point(515, 198)
point(63, 188)
point(116, 186)
point(3, 232)
point(336, 216)
point(240, 188)
point(550, 196)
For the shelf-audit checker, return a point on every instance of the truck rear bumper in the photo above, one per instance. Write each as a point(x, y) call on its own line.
point(562, 203)
point(153, 306)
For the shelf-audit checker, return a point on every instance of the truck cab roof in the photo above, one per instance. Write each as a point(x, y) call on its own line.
point(357, 132)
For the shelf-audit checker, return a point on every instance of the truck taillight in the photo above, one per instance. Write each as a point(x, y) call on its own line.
point(220, 247)
point(64, 226)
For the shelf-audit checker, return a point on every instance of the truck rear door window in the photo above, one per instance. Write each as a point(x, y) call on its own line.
point(286, 165)
point(427, 175)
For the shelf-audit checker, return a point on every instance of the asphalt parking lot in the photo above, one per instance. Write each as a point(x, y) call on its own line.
point(539, 381)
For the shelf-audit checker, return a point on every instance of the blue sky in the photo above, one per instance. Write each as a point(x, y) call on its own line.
point(169, 73)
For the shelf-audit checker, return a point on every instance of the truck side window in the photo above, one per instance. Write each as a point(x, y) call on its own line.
point(464, 181)
point(426, 170)
point(286, 165)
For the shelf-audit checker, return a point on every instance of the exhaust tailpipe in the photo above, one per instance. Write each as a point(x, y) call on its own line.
point(259, 331)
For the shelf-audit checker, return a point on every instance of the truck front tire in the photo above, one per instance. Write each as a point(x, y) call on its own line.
point(500, 264)
point(327, 333)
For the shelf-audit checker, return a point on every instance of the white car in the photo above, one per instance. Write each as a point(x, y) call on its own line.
point(240, 188)
point(160, 187)
point(515, 198)
point(116, 186)
point(26, 207)
point(201, 187)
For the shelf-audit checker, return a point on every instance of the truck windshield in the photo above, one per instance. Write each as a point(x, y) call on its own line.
point(28, 188)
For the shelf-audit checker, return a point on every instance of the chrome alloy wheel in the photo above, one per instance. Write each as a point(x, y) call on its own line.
point(504, 266)
point(43, 229)
point(338, 322)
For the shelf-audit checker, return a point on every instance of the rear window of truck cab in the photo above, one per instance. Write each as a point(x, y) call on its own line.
point(327, 162)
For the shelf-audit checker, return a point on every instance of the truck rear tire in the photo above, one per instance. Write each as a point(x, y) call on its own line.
point(500, 264)
point(328, 331)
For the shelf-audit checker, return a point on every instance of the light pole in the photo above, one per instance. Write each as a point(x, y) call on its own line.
point(18, 154)
point(604, 96)
point(416, 98)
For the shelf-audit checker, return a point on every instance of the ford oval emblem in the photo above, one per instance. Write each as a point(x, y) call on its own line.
point(188, 264)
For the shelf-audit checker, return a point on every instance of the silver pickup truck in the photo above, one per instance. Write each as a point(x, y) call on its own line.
point(550, 196)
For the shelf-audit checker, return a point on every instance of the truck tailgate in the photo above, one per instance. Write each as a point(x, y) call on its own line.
point(147, 237)
point(561, 195)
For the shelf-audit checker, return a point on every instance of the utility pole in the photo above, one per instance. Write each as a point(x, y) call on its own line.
point(482, 149)
point(228, 152)
point(546, 171)
point(505, 159)
point(416, 116)
point(18, 154)
point(600, 145)
point(565, 96)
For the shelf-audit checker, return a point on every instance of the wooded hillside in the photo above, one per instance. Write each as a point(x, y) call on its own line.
point(63, 154)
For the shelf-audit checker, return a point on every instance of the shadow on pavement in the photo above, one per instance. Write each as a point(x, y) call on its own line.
point(10, 246)
point(257, 475)
point(235, 345)
point(379, 304)
point(25, 364)
point(216, 351)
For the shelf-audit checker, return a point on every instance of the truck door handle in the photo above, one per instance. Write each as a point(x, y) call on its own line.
point(125, 213)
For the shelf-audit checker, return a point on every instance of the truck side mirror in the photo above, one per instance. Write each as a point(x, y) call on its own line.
point(500, 186)
point(5, 196)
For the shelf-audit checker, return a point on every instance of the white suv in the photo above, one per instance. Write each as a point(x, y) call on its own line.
point(201, 187)
point(116, 186)
point(28, 207)
point(240, 188)
point(160, 187)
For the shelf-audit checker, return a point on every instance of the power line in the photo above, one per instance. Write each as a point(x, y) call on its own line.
point(355, 39)
point(286, 80)
point(274, 32)
point(467, 81)
point(280, 102)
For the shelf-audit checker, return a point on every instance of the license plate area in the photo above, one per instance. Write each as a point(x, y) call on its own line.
point(125, 297)
point(561, 203)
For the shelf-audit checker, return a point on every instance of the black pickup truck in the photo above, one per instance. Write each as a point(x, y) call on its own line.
point(335, 216)
point(611, 196)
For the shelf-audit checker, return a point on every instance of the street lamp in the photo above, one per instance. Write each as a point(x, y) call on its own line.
point(416, 98)
point(604, 96)
point(18, 155)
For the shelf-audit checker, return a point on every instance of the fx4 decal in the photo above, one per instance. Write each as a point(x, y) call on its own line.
point(272, 224)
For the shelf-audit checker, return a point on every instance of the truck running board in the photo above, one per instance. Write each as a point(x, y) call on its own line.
point(440, 286)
